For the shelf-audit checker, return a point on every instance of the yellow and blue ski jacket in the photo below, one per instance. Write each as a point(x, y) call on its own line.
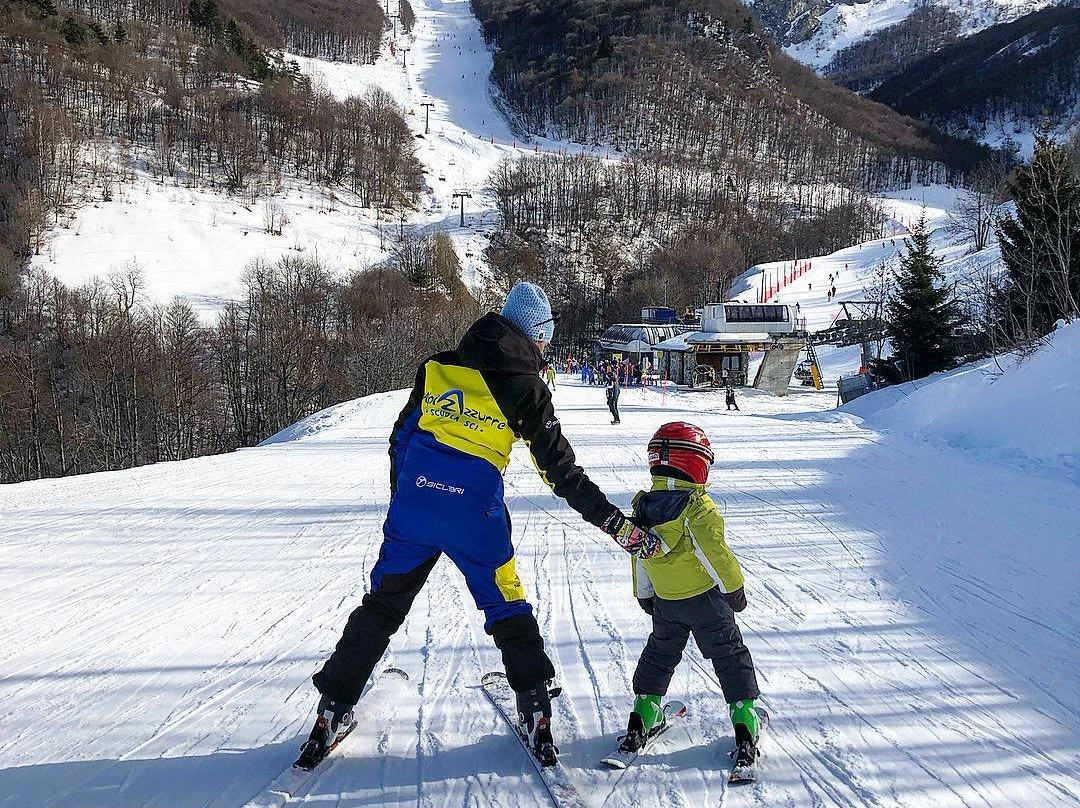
point(695, 556)
point(448, 450)
point(476, 401)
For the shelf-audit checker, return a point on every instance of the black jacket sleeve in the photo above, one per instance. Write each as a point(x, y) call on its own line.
point(403, 427)
point(526, 401)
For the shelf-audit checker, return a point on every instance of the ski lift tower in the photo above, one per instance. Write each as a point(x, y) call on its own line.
point(427, 105)
point(462, 194)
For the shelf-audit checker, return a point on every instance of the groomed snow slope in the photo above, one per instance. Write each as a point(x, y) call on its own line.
point(913, 615)
point(196, 243)
point(854, 269)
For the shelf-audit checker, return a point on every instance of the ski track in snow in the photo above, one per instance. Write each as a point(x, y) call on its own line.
point(913, 616)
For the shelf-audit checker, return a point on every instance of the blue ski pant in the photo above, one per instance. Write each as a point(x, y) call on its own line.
point(446, 503)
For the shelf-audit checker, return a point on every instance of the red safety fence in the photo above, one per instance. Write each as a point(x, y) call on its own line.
point(784, 276)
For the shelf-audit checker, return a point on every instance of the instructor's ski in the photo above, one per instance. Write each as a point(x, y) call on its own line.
point(745, 757)
point(556, 779)
point(674, 713)
point(382, 689)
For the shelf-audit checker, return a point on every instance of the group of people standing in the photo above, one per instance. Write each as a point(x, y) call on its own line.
point(596, 373)
point(610, 374)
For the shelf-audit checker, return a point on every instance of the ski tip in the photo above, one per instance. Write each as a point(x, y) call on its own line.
point(613, 763)
point(398, 672)
point(675, 709)
point(493, 677)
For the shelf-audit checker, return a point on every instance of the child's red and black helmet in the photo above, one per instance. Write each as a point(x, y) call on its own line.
point(683, 447)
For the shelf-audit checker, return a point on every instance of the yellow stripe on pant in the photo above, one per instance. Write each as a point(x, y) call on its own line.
point(506, 578)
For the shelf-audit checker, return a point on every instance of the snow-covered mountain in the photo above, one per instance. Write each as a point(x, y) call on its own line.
point(999, 85)
point(814, 31)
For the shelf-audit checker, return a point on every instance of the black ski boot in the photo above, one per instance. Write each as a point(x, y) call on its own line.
point(746, 748)
point(745, 756)
point(635, 738)
point(534, 715)
point(646, 722)
point(333, 722)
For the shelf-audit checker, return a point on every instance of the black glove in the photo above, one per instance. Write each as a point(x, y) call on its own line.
point(630, 537)
point(736, 600)
point(646, 605)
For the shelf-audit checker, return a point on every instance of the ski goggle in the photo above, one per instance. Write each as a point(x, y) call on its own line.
point(554, 319)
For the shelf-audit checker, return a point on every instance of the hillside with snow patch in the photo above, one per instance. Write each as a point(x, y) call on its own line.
point(855, 269)
point(814, 32)
point(195, 243)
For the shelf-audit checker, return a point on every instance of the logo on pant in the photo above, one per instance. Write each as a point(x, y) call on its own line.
point(424, 482)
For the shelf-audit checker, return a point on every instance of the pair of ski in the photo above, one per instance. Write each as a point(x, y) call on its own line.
point(387, 685)
point(556, 779)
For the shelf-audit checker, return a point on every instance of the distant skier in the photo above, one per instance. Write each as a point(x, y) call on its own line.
point(693, 586)
point(729, 399)
point(448, 450)
point(549, 374)
point(613, 389)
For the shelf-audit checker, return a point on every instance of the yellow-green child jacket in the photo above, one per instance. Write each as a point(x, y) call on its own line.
point(694, 556)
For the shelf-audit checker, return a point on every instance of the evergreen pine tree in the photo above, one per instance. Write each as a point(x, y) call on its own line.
point(1041, 243)
point(196, 14)
point(234, 38)
point(921, 314)
point(73, 31)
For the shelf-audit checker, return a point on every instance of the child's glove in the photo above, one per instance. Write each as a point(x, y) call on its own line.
point(630, 537)
point(736, 600)
point(646, 605)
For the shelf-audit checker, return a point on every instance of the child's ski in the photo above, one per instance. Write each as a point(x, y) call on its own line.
point(383, 689)
point(674, 712)
point(746, 754)
point(556, 779)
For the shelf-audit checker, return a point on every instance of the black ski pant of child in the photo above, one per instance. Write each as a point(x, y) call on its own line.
point(712, 622)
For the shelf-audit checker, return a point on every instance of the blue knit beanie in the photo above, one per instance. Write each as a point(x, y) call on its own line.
point(528, 308)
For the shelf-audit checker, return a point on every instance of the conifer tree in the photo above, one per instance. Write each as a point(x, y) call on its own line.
point(1041, 243)
point(921, 314)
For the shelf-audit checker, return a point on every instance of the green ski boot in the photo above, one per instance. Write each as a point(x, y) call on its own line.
point(645, 721)
point(746, 720)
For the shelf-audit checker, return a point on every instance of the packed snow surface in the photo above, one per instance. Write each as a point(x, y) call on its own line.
point(913, 616)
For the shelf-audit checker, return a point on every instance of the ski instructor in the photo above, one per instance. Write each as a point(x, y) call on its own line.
point(448, 450)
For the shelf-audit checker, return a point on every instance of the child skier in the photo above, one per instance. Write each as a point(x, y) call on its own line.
point(693, 586)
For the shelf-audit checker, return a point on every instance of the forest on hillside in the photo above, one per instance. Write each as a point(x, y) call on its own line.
point(699, 79)
point(102, 377)
point(181, 91)
point(725, 145)
point(864, 65)
point(191, 93)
